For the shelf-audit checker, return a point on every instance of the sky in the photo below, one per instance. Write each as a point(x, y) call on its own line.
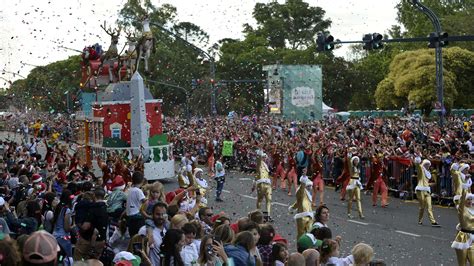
point(32, 31)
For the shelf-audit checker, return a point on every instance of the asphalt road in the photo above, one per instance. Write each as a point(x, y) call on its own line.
point(393, 232)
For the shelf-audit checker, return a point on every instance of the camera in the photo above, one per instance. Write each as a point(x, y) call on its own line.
point(209, 249)
point(137, 247)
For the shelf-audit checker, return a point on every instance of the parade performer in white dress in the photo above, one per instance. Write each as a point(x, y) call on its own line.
point(304, 215)
point(464, 239)
point(354, 187)
point(423, 190)
point(263, 182)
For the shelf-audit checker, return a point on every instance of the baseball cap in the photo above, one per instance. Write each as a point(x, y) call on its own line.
point(307, 241)
point(40, 247)
point(2, 201)
point(126, 258)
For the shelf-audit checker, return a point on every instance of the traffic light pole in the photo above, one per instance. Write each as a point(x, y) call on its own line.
point(438, 56)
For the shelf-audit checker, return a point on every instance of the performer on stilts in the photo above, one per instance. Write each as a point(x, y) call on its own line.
point(263, 183)
point(463, 243)
point(354, 187)
point(304, 216)
point(423, 190)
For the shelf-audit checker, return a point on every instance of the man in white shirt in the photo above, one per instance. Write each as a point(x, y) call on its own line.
point(135, 199)
point(156, 231)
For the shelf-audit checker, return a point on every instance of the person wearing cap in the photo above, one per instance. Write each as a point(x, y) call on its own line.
point(462, 244)
point(304, 215)
point(263, 182)
point(183, 179)
point(40, 248)
point(201, 185)
point(117, 199)
point(423, 190)
point(354, 186)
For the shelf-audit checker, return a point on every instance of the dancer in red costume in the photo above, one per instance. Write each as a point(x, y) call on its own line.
point(210, 158)
point(345, 177)
point(318, 182)
point(378, 180)
point(291, 173)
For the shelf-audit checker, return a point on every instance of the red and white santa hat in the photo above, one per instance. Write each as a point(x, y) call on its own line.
point(118, 183)
point(36, 178)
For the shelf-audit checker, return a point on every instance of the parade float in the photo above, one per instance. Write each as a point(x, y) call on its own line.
point(118, 113)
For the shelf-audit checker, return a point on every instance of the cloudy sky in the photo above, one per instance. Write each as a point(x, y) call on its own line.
point(32, 30)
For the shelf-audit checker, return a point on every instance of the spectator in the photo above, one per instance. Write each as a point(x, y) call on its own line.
point(178, 221)
point(62, 223)
point(155, 193)
point(330, 254)
point(4, 230)
point(9, 252)
point(190, 252)
point(220, 178)
point(296, 259)
point(41, 248)
point(205, 214)
point(240, 251)
point(171, 248)
point(279, 254)
point(362, 254)
point(135, 199)
point(225, 234)
point(155, 231)
point(211, 252)
point(321, 216)
point(93, 232)
point(117, 199)
point(264, 245)
point(28, 224)
point(312, 257)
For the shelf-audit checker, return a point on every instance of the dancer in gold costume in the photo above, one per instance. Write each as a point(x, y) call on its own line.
point(304, 217)
point(354, 186)
point(423, 190)
point(263, 182)
point(464, 239)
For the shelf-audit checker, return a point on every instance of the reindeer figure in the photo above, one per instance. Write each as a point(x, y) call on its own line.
point(146, 45)
point(129, 58)
point(111, 55)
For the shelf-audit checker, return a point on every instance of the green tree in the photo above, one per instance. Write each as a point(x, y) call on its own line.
point(455, 18)
point(412, 78)
point(293, 24)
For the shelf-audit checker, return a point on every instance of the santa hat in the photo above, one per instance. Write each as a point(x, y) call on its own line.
point(36, 178)
point(305, 180)
point(426, 162)
point(118, 183)
point(170, 196)
point(463, 167)
point(355, 158)
point(469, 196)
point(455, 167)
point(197, 170)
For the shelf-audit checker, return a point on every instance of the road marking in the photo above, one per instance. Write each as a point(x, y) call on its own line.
point(357, 222)
point(406, 233)
point(226, 191)
point(245, 179)
point(280, 204)
point(247, 196)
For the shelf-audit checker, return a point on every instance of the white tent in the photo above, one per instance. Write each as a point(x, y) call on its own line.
point(327, 109)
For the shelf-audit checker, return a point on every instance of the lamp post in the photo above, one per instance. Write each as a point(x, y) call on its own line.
point(438, 55)
point(212, 66)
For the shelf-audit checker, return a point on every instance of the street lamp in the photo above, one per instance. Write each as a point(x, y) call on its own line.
point(212, 66)
point(438, 55)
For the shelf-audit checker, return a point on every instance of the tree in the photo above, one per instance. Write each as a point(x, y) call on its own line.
point(455, 18)
point(293, 24)
point(412, 78)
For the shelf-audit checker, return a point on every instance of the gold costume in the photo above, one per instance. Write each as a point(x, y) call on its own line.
point(457, 182)
point(464, 239)
point(423, 190)
point(353, 188)
point(183, 179)
point(304, 217)
point(263, 183)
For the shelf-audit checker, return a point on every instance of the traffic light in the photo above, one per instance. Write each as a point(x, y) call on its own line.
point(443, 39)
point(195, 83)
point(377, 41)
point(367, 39)
point(324, 42)
point(433, 39)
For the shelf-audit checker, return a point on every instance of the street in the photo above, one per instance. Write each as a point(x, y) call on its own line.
point(393, 232)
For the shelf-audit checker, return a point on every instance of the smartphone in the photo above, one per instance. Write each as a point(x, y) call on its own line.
point(209, 249)
point(137, 247)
